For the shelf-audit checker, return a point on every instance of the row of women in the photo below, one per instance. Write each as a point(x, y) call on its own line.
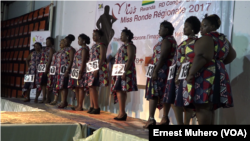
point(190, 78)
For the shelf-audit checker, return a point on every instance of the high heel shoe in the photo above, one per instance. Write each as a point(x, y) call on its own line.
point(63, 105)
point(166, 123)
point(95, 111)
point(122, 118)
point(90, 110)
point(153, 123)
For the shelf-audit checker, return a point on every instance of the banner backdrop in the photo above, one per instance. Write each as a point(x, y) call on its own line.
point(38, 36)
point(143, 18)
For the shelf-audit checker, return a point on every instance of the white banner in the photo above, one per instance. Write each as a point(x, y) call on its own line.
point(38, 36)
point(143, 18)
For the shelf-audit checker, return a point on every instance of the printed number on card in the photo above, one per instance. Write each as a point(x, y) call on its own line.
point(52, 70)
point(63, 70)
point(184, 70)
point(29, 78)
point(92, 66)
point(41, 67)
point(75, 73)
point(118, 69)
point(171, 72)
point(150, 70)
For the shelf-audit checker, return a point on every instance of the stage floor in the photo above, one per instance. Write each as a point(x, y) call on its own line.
point(132, 126)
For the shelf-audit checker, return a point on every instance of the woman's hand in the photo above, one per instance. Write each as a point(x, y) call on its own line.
point(96, 73)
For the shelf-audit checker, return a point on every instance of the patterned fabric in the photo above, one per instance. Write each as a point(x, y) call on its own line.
point(211, 83)
point(174, 88)
point(62, 58)
point(157, 88)
point(103, 71)
point(52, 79)
point(44, 60)
point(130, 82)
point(77, 63)
point(32, 70)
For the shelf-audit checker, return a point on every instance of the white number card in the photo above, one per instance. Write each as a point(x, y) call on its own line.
point(41, 68)
point(63, 69)
point(92, 66)
point(52, 70)
point(74, 73)
point(118, 69)
point(171, 72)
point(29, 78)
point(150, 70)
point(184, 70)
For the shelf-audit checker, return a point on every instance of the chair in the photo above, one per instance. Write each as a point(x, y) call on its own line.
point(18, 80)
point(41, 12)
point(16, 31)
point(12, 43)
point(36, 26)
point(10, 67)
point(12, 22)
point(30, 18)
point(25, 32)
point(20, 42)
point(20, 56)
point(16, 21)
point(15, 68)
point(8, 23)
point(16, 43)
point(42, 26)
point(25, 18)
point(46, 12)
point(12, 32)
point(11, 55)
point(21, 31)
point(31, 26)
point(15, 55)
point(12, 81)
point(25, 55)
point(21, 70)
point(25, 43)
point(8, 44)
point(21, 19)
point(35, 15)
point(9, 33)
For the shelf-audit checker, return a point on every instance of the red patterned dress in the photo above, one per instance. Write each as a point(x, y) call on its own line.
point(77, 63)
point(130, 84)
point(32, 70)
point(173, 93)
point(157, 88)
point(44, 60)
point(102, 79)
point(52, 78)
point(211, 83)
point(62, 58)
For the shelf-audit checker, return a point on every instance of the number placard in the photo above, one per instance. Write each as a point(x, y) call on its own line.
point(118, 69)
point(171, 72)
point(63, 69)
point(92, 66)
point(29, 78)
point(41, 68)
point(52, 70)
point(184, 70)
point(150, 70)
point(75, 73)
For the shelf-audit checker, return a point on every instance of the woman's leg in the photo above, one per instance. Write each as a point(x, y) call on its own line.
point(178, 111)
point(77, 96)
point(204, 113)
point(152, 107)
point(94, 93)
point(81, 98)
point(122, 96)
point(28, 96)
point(188, 115)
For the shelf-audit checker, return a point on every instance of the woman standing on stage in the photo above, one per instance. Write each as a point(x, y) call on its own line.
point(173, 94)
point(98, 77)
point(163, 53)
point(46, 58)
point(64, 60)
point(208, 85)
point(79, 85)
point(32, 63)
point(127, 82)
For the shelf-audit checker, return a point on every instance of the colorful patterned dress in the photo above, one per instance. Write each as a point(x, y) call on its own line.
point(62, 58)
point(211, 83)
point(174, 88)
point(44, 60)
point(130, 84)
point(157, 88)
point(77, 63)
point(32, 70)
point(102, 80)
point(52, 78)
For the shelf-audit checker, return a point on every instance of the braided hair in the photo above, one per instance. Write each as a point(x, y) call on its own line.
point(214, 20)
point(128, 33)
point(70, 37)
point(99, 32)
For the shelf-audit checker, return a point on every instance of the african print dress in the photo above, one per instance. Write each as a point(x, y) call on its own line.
point(44, 60)
point(32, 70)
point(130, 82)
point(157, 88)
point(77, 64)
point(62, 59)
point(51, 84)
point(102, 79)
point(174, 88)
point(211, 83)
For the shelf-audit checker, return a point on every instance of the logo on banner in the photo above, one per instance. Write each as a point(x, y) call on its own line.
point(147, 2)
point(100, 6)
point(138, 61)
